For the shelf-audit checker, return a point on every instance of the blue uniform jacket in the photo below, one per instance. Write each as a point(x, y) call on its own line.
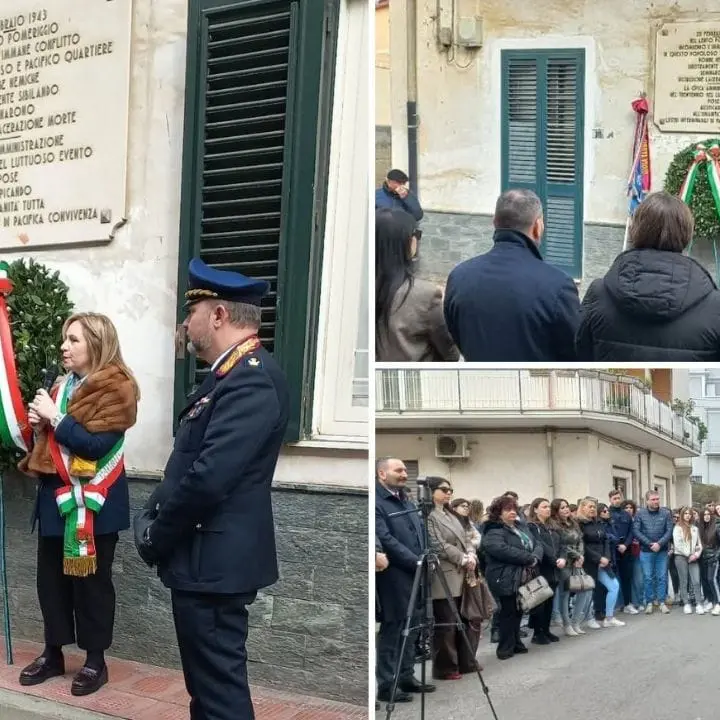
point(401, 539)
point(214, 531)
point(115, 513)
point(508, 305)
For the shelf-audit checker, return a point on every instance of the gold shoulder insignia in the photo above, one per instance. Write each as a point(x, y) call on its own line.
point(237, 355)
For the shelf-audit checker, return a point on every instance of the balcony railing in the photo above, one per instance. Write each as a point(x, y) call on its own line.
point(467, 392)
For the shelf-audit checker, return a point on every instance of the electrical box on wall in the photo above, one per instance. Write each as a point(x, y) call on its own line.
point(444, 23)
point(468, 24)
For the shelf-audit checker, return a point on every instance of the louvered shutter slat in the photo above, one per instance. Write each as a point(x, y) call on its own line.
point(522, 120)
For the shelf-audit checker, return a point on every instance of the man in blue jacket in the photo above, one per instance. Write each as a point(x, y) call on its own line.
point(395, 194)
point(653, 527)
point(209, 526)
point(622, 526)
point(508, 305)
point(401, 537)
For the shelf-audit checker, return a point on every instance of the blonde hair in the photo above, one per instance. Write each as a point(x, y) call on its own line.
point(102, 343)
point(687, 532)
point(583, 504)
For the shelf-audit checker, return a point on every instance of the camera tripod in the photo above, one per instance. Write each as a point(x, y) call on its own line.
point(427, 564)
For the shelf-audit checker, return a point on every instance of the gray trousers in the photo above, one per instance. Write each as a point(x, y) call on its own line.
point(684, 569)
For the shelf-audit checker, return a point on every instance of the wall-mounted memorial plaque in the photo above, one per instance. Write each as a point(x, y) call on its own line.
point(687, 77)
point(64, 105)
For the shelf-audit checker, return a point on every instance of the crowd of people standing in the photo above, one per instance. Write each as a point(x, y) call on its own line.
point(598, 559)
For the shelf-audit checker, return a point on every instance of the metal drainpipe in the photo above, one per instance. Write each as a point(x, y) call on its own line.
point(412, 121)
point(551, 460)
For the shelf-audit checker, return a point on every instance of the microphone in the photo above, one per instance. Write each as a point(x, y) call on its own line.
point(50, 376)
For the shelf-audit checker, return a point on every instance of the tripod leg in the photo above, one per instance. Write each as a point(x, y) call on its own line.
point(434, 565)
point(409, 616)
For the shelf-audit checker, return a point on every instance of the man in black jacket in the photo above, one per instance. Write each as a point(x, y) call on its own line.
point(401, 539)
point(508, 305)
point(622, 526)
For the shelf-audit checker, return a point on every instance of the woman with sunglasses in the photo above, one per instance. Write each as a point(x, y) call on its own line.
point(458, 559)
point(410, 324)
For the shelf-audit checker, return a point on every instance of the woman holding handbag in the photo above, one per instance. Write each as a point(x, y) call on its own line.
point(598, 564)
point(573, 579)
point(553, 561)
point(510, 550)
point(688, 549)
point(458, 558)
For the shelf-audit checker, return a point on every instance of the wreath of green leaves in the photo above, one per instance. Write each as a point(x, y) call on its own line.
point(38, 307)
point(702, 205)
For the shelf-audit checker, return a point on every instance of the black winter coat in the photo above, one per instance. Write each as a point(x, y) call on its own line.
point(552, 551)
point(506, 558)
point(652, 305)
point(597, 545)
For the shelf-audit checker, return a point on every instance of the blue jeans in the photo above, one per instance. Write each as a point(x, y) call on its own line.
point(655, 570)
point(582, 603)
point(612, 585)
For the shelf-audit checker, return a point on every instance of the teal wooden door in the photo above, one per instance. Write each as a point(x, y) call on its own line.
point(543, 144)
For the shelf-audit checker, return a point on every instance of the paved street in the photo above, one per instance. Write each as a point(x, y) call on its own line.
point(655, 668)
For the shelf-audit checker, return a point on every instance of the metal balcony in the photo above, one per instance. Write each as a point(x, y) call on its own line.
point(617, 406)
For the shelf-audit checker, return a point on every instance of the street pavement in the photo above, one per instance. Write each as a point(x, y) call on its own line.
point(17, 706)
point(655, 668)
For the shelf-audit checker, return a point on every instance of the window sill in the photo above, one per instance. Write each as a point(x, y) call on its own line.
point(332, 442)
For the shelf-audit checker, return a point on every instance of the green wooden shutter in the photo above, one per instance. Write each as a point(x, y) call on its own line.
point(249, 197)
point(542, 143)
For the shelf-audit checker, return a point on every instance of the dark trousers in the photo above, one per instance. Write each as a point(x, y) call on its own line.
point(509, 618)
point(705, 580)
point(211, 632)
point(599, 594)
point(541, 616)
point(450, 653)
point(77, 609)
point(626, 567)
point(387, 649)
point(674, 579)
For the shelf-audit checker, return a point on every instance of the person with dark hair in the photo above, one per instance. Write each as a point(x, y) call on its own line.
point(509, 550)
point(458, 559)
point(409, 321)
point(508, 304)
point(553, 561)
point(710, 540)
point(395, 194)
point(654, 303)
point(622, 527)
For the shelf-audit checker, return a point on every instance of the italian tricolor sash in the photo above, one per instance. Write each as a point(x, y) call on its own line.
point(80, 498)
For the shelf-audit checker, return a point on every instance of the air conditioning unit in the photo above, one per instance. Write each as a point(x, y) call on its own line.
point(451, 446)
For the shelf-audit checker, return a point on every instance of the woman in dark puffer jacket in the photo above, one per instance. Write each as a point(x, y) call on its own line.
point(508, 549)
point(654, 303)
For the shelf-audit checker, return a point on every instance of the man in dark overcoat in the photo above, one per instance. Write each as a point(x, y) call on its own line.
point(401, 539)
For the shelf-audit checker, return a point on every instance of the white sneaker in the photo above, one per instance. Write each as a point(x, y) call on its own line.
point(688, 609)
point(699, 610)
point(708, 606)
point(716, 610)
point(664, 609)
point(613, 622)
point(640, 608)
point(649, 609)
point(578, 630)
point(570, 631)
point(593, 624)
point(630, 610)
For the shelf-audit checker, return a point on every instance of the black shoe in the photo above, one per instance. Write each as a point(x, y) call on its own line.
point(505, 655)
point(494, 637)
point(42, 669)
point(413, 685)
point(400, 696)
point(520, 649)
point(89, 680)
point(540, 639)
point(551, 637)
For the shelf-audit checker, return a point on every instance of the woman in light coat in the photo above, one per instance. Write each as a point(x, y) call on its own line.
point(458, 560)
point(688, 550)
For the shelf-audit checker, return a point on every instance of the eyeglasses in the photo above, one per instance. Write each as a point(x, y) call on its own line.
point(446, 490)
point(464, 505)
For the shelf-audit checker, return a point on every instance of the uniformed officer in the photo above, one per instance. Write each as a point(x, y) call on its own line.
point(209, 525)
